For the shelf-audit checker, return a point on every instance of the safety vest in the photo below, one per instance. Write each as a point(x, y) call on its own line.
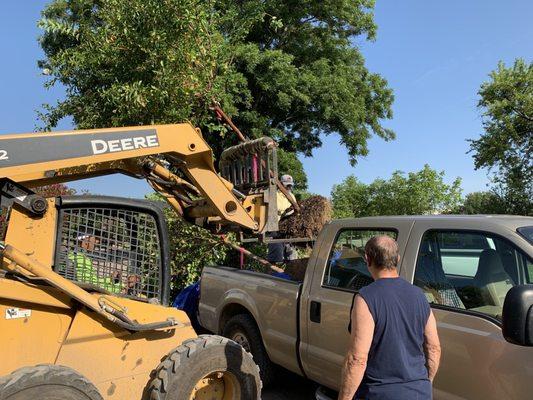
point(86, 273)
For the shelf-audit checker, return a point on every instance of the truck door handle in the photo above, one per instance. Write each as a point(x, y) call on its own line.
point(315, 311)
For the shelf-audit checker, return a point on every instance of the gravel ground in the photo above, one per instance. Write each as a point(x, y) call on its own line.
point(290, 387)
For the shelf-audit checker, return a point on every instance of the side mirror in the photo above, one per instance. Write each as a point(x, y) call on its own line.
point(517, 315)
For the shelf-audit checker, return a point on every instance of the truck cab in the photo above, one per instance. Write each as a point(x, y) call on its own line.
point(465, 265)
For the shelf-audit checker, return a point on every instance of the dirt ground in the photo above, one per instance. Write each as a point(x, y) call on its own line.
point(289, 386)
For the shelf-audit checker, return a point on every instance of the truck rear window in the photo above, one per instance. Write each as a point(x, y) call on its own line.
point(346, 268)
point(526, 232)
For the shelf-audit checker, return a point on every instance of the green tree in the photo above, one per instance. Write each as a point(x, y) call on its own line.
point(54, 190)
point(482, 203)
point(350, 198)
point(506, 146)
point(191, 249)
point(288, 163)
point(306, 77)
point(289, 70)
point(422, 192)
point(129, 62)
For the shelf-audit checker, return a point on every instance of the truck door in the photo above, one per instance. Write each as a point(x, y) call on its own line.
point(340, 271)
point(465, 272)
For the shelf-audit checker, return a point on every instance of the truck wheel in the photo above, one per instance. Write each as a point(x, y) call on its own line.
point(47, 382)
point(206, 368)
point(242, 329)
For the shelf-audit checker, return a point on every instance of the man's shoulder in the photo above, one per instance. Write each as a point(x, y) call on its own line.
point(416, 295)
point(411, 287)
point(369, 289)
point(384, 284)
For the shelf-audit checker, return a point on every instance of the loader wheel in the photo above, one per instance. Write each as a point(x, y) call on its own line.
point(242, 329)
point(206, 368)
point(47, 382)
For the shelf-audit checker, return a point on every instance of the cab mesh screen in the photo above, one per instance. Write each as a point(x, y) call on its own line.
point(112, 249)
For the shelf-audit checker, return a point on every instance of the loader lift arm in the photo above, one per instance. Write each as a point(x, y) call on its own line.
point(174, 159)
point(155, 153)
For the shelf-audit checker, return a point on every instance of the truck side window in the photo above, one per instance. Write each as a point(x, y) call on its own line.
point(469, 270)
point(346, 267)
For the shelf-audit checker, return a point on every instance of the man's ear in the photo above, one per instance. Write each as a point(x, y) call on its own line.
point(398, 261)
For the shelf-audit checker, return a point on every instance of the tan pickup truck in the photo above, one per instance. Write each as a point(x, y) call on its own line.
point(465, 264)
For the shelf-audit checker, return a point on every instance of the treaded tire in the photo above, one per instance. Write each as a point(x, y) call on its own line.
point(245, 325)
point(47, 382)
point(179, 372)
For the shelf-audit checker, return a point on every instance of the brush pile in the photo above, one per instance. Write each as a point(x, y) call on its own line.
point(296, 268)
point(315, 212)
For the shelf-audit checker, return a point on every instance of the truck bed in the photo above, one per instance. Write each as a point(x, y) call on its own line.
point(271, 301)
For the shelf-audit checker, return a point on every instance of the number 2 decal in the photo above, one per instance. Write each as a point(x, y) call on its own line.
point(3, 155)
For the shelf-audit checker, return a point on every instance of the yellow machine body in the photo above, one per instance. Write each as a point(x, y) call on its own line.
point(48, 319)
point(117, 362)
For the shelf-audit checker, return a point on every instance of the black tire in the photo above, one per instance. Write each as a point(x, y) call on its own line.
point(47, 382)
point(182, 370)
point(242, 329)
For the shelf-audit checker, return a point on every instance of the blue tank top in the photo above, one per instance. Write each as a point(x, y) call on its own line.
point(396, 367)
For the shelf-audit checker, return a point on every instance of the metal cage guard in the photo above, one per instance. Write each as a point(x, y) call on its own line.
point(252, 167)
point(117, 245)
point(250, 164)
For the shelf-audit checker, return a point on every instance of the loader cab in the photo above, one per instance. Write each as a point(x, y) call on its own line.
point(115, 245)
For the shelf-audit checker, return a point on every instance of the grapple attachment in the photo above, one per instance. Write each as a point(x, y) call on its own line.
point(252, 167)
point(251, 164)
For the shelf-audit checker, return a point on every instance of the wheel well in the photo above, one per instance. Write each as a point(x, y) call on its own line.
point(230, 311)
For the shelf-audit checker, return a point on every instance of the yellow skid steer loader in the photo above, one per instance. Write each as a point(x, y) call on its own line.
point(84, 283)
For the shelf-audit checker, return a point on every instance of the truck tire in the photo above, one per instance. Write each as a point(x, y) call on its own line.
point(207, 367)
point(242, 329)
point(47, 382)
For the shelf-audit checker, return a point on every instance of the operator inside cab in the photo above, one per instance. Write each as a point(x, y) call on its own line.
point(280, 252)
point(108, 277)
point(86, 272)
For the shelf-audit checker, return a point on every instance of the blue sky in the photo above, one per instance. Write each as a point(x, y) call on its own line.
point(434, 54)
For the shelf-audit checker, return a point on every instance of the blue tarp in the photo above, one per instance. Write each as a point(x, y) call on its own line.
point(187, 300)
point(282, 275)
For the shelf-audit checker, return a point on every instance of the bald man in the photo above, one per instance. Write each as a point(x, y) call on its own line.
point(394, 349)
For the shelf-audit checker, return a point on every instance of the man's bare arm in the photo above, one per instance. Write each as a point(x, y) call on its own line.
point(432, 347)
point(357, 355)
